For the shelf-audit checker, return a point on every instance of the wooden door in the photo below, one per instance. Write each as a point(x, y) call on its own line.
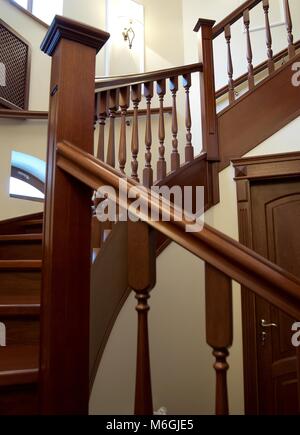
point(275, 208)
point(268, 191)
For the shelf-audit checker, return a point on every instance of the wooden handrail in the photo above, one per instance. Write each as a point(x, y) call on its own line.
point(258, 69)
point(228, 256)
point(234, 16)
point(107, 83)
point(23, 114)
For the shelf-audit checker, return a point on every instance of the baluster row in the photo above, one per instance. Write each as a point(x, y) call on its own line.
point(249, 52)
point(116, 102)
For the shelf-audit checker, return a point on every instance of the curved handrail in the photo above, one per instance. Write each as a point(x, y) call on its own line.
point(106, 83)
point(230, 257)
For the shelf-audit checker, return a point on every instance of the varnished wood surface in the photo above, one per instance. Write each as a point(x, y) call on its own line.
point(226, 255)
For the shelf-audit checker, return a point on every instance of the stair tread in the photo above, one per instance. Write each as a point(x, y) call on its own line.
point(28, 298)
point(19, 365)
point(20, 264)
point(21, 237)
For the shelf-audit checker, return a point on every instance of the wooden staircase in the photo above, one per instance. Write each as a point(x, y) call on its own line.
point(77, 309)
point(20, 286)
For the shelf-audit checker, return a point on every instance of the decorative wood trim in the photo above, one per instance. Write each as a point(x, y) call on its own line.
point(258, 69)
point(270, 166)
point(23, 114)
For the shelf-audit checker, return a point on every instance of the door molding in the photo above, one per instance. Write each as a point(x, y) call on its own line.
point(247, 170)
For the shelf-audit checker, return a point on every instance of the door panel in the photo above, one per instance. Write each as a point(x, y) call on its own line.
point(275, 206)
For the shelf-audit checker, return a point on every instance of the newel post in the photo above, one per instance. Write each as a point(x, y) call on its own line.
point(207, 87)
point(64, 364)
point(219, 329)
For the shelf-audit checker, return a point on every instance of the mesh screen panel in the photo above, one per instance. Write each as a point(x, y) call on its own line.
point(14, 54)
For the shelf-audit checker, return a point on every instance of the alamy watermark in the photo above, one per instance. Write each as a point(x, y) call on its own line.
point(296, 75)
point(2, 74)
point(2, 335)
point(165, 204)
point(296, 336)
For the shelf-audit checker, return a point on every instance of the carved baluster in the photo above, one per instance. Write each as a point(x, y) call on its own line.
point(271, 65)
point(113, 107)
point(102, 105)
point(249, 50)
point(141, 278)
point(161, 164)
point(219, 329)
point(189, 150)
point(289, 28)
point(175, 157)
point(148, 171)
point(136, 96)
point(231, 94)
point(124, 104)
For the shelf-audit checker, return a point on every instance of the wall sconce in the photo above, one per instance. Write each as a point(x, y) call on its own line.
point(129, 34)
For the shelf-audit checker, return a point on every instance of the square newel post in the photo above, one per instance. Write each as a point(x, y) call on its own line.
point(64, 364)
point(207, 86)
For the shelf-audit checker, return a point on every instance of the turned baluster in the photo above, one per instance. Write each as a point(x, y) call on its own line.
point(249, 50)
point(189, 150)
point(102, 104)
point(141, 278)
point(227, 32)
point(113, 107)
point(271, 65)
point(148, 171)
point(124, 104)
point(289, 28)
point(219, 329)
point(161, 164)
point(175, 157)
point(136, 96)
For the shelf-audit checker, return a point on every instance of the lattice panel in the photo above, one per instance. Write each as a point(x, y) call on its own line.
point(14, 68)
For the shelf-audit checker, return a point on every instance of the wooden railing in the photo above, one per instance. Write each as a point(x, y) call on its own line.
point(224, 27)
point(117, 94)
point(72, 174)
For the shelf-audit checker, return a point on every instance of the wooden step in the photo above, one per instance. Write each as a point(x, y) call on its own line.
point(21, 330)
point(21, 265)
point(18, 365)
point(21, 247)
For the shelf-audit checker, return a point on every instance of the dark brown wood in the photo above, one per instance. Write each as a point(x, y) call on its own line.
point(258, 180)
point(106, 83)
point(234, 16)
point(219, 329)
point(102, 114)
point(136, 96)
point(271, 65)
point(189, 150)
point(289, 28)
point(142, 278)
point(258, 69)
point(231, 92)
point(161, 164)
point(22, 114)
point(272, 93)
point(249, 49)
point(175, 156)
point(113, 104)
point(207, 86)
point(64, 377)
point(148, 171)
point(241, 264)
point(124, 104)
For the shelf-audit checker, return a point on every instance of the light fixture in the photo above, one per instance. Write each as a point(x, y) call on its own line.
point(129, 34)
